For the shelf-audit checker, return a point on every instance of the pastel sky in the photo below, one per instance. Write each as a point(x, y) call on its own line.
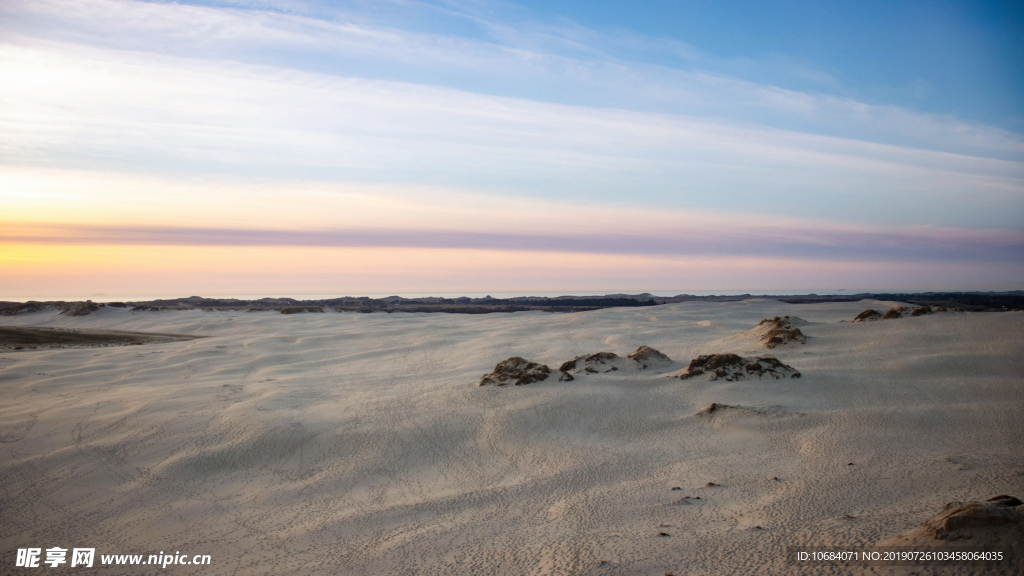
point(284, 147)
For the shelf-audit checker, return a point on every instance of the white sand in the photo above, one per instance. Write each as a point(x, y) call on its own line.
point(360, 444)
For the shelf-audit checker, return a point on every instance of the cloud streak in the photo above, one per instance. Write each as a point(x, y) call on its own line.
point(529, 60)
point(208, 117)
point(926, 245)
point(298, 127)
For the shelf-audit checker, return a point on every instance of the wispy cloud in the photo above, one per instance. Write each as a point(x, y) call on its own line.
point(694, 240)
point(308, 126)
point(564, 63)
point(167, 114)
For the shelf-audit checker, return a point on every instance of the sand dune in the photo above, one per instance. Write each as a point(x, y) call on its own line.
point(360, 443)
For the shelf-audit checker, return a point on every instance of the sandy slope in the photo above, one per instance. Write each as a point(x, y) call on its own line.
point(360, 444)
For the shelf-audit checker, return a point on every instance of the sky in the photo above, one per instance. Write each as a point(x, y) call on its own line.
point(283, 147)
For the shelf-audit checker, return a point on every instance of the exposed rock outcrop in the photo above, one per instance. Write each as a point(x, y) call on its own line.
point(516, 370)
point(26, 308)
point(957, 519)
point(592, 363)
point(994, 524)
point(78, 308)
point(646, 353)
point(642, 358)
point(868, 315)
point(731, 367)
point(897, 312)
point(519, 371)
point(300, 309)
point(997, 523)
point(738, 417)
point(646, 356)
point(67, 308)
point(716, 407)
point(779, 331)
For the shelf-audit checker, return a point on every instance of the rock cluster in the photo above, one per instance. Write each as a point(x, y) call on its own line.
point(518, 371)
point(731, 367)
point(591, 363)
point(66, 308)
point(997, 523)
point(957, 518)
point(78, 308)
point(521, 371)
point(26, 308)
point(300, 309)
point(642, 358)
point(870, 315)
point(715, 407)
point(780, 331)
point(646, 356)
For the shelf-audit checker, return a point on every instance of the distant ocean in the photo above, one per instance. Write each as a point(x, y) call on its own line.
point(543, 293)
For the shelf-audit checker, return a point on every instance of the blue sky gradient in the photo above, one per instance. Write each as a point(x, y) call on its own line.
point(861, 132)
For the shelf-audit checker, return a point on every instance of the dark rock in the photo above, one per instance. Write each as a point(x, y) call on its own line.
point(601, 357)
point(868, 316)
point(893, 313)
point(517, 370)
point(646, 355)
point(958, 516)
point(780, 332)
point(26, 308)
point(995, 524)
point(603, 362)
point(569, 364)
point(299, 309)
point(731, 367)
point(715, 407)
point(1004, 500)
point(587, 363)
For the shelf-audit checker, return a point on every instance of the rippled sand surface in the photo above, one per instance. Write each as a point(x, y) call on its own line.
point(360, 444)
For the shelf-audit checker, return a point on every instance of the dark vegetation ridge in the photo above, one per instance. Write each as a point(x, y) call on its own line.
point(971, 301)
point(18, 338)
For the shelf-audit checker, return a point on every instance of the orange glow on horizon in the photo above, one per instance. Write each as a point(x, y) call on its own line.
point(41, 269)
